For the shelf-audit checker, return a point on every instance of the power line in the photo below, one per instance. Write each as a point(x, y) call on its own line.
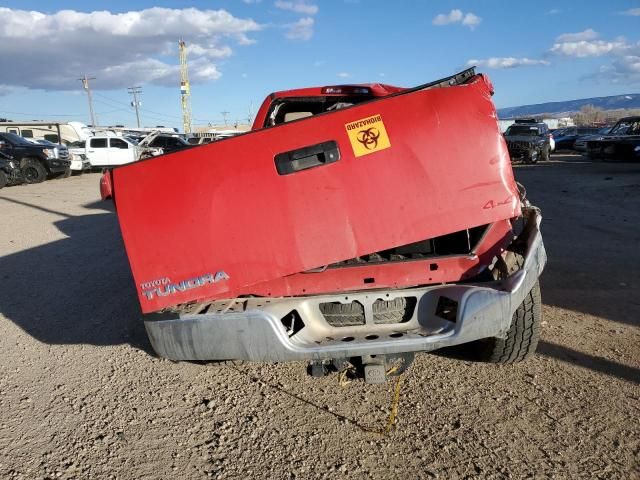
point(146, 112)
point(110, 105)
point(25, 114)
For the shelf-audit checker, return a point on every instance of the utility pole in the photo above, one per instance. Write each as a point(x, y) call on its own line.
point(250, 116)
point(224, 115)
point(135, 91)
point(85, 85)
point(185, 88)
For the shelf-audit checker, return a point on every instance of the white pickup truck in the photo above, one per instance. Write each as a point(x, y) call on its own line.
point(105, 151)
point(108, 151)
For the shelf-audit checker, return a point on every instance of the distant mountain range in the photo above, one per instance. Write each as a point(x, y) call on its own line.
point(558, 109)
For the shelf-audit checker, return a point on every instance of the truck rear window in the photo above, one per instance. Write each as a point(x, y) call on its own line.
point(294, 108)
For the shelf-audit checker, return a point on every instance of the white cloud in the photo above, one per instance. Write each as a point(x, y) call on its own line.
point(300, 30)
point(298, 6)
point(344, 75)
point(6, 89)
point(624, 69)
point(634, 12)
point(505, 62)
point(553, 11)
point(469, 19)
point(50, 51)
point(586, 44)
point(624, 63)
point(453, 16)
point(588, 34)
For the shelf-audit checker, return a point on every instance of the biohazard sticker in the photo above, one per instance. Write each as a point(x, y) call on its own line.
point(367, 135)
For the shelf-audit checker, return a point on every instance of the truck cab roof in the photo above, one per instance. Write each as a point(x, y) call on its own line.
point(306, 102)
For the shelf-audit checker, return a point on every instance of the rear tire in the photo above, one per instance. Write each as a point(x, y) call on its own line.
point(523, 335)
point(3, 179)
point(33, 171)
point(545, 154)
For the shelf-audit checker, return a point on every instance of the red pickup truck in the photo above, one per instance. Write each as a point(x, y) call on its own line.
point(353, 223)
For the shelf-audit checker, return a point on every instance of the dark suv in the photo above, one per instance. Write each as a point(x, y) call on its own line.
point(168, 143)
point(529, 140)
point(36, 161)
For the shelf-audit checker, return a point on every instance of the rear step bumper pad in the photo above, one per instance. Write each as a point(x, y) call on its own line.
point(261, 329)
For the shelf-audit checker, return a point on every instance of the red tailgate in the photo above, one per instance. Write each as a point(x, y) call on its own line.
point(220, 217)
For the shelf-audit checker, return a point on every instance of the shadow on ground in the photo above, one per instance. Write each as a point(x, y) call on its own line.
point(76, 290)
point(591, 213)
point(470, 353)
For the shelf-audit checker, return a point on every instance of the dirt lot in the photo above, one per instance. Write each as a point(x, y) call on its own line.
point(82, 396)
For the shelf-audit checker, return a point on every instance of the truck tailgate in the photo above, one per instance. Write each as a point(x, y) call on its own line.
point(213, 219)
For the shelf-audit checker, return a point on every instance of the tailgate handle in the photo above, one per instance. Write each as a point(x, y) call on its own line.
point(307, 157)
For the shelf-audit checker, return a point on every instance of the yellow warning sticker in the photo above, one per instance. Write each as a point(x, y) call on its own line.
point(367, 135)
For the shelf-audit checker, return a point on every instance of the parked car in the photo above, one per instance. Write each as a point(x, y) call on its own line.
point(168, 143)
point(200, 140)
point(622, 143)
point(78, 163)
point(9, 171)
point(107, 151)
point(529, 141)
point(36, 161)
point(567, 139)
point(580, 144)
point(341, 233)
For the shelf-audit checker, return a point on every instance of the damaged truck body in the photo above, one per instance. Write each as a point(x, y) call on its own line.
point(345, 227)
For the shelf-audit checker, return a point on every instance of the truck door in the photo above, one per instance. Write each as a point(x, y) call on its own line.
point(98, 151)
point(120, 151)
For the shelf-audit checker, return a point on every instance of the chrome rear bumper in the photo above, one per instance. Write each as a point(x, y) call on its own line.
point(267, 329)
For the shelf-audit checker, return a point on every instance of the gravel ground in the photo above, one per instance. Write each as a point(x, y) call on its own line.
point(82, 395)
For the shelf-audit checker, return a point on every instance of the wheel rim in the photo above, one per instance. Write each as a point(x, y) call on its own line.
point(30, 174)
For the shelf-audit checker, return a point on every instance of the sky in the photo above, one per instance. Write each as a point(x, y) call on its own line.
point(241, 50)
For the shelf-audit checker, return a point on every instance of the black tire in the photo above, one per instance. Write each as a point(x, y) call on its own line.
point(351, 314)
point(66, 174)
point(523, 335)
point(33, 171)
point(3, 179)
point(545, 154)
